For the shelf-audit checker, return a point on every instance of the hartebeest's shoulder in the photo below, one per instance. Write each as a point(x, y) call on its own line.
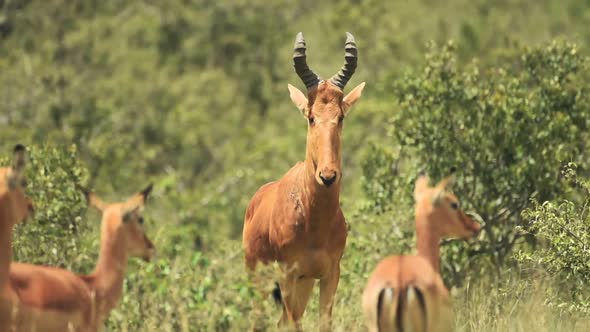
point(260, 222)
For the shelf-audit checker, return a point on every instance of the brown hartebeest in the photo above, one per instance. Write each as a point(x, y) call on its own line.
point(406, 293)
point(15, 207)
point(297, 220)
point(83, 302)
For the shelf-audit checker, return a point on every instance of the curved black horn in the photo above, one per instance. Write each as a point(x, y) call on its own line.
point(309, 78)
point(350, 61)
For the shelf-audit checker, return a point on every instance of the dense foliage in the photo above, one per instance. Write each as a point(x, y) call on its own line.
point(191, 95)
point(508, 127)
point(563, 230)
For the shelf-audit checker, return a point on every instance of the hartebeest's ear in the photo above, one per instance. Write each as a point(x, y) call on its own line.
point(420, 186)
point(352, 97)
point(95, 201)
point(298, 99)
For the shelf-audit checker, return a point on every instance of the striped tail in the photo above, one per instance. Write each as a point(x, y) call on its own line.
point(413, 315)
point(387, 306)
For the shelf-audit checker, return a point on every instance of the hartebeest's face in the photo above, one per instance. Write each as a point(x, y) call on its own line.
point(325, 108)
point(125, 219)
point(443, 210)
point(12, 187)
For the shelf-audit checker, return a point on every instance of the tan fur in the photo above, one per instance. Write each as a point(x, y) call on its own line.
point(15, 207)
point(297, 220)
point(61, 299)
point(410, 276)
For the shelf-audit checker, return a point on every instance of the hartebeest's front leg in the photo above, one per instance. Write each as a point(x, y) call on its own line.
point(328, 286)
point(295, 296)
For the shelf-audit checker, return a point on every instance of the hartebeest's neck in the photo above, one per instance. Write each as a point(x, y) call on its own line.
point(109, 273)
point(428, 242)
point(321, 200)
point(6, 227)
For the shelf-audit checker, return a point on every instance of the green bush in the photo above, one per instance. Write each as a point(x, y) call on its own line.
point(508, 127)
point(563, 229)
point(56, 235)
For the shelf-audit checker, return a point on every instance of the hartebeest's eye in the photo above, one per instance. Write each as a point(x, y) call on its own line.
point(311, 120)
point(140, 220)
point(340, 119)
point(454, 205)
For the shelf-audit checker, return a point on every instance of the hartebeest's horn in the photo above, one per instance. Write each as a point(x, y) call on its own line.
point(309, 78)
point(350, 61)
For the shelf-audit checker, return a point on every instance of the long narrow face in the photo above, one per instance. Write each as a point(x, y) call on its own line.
point(12, 187)
point(325, 108)
point(324, 132)
point(127, 217)
point(443, 210)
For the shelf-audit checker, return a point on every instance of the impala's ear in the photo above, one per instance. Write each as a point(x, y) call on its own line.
point(420, 186)
point(17, 167)
point(352, 97)
point(95, 201)
point(145, 193)
point(441, 188)
point(298, 99)
point(138, 199)
point(446, 183)
point(18, 159)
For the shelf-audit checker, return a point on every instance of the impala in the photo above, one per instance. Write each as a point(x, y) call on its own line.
point(297, 221)
point(83, 302)
point(406, 293)
point(15, 207)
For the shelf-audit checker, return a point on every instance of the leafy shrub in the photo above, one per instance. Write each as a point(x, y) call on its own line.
point(563, 229)
point(508, 127)
point(55, 235)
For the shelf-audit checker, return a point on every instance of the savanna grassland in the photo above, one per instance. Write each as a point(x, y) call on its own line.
point(192, 96)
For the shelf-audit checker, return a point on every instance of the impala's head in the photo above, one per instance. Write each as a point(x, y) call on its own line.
point(125, 219)
point(325, 108)
point(18, 207)
point(441, 209)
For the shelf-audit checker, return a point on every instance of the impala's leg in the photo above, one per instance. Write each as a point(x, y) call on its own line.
point(328, 287)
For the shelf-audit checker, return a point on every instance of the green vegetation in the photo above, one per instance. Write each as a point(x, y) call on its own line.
point(191, 95)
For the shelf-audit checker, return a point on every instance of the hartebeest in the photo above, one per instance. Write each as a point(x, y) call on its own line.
point(297, 220)
point(406, 293)
point(83, 302)
point(15, 207)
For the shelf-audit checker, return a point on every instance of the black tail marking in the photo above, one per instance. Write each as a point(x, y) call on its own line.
point(420, 296)
point(276, 294)
point(379, 305)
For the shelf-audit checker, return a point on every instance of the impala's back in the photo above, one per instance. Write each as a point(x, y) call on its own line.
point(404, 293)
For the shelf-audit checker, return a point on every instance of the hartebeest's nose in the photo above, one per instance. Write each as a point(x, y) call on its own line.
point(328, 177)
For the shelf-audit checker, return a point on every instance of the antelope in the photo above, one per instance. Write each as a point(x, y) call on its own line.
point(15, 207)
point(297, 221)
point(406, 293)
point(83, 302)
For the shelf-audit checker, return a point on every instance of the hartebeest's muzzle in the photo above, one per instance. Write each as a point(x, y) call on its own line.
point(328, 176)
